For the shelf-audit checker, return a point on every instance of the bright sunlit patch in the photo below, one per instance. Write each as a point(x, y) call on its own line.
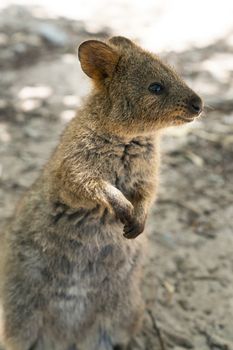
point(29, 105)
point(229, 40)
point(71, 101)
point(68, 58)
point(219, 65)
point(67, 115)
point(30, 92)
point(158, 25)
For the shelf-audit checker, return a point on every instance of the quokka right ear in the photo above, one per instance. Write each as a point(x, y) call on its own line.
point(122, 42)
point(98, 60)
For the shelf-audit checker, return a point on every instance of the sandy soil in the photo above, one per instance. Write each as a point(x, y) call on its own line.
point(188, 284)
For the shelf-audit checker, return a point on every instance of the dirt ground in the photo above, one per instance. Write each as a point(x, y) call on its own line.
point(188, 284)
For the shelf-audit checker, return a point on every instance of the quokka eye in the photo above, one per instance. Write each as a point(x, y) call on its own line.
point(156, 88)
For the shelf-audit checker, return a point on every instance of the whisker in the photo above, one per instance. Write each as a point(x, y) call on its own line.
point(209, 107)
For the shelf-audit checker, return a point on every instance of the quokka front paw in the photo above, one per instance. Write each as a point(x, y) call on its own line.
point(133, 222)
point(133, 228)
point(125, 212)
point(120, 205)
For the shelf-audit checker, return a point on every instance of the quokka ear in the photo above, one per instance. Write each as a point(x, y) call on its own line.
point(98, 60)
point(121, 41)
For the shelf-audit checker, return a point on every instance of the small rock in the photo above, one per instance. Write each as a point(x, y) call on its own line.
point(180, 339)
point(32, 132)
point(19, 48)
point(184, 304)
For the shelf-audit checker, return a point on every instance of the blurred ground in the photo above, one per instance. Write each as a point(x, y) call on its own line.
point(188, 282)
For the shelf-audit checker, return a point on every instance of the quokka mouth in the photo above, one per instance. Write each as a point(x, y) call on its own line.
point(186, 119)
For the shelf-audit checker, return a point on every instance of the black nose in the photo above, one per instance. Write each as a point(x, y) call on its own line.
point(195, 104)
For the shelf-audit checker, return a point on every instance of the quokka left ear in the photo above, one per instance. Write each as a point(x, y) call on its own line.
point(98, 60)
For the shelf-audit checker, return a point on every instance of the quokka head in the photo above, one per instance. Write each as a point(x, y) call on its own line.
point(143, 93)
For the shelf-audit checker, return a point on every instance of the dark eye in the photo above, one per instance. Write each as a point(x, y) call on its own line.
point(156, 88)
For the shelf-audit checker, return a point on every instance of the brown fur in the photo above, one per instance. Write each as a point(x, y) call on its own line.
point(69, 277)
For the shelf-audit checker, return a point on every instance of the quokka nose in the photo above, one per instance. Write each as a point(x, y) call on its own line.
point(195, 104)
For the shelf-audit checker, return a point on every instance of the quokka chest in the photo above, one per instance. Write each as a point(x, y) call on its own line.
point(129, 164)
